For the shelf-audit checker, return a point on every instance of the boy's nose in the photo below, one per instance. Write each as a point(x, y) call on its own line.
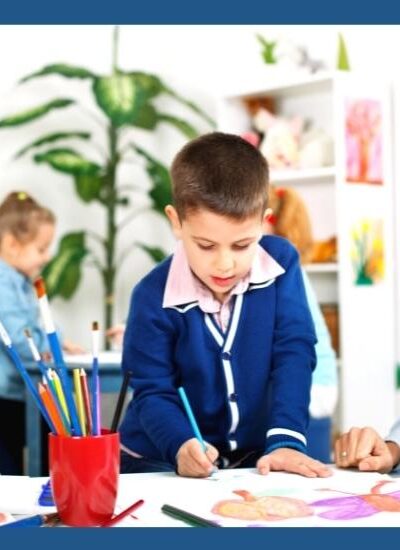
point(225, 263)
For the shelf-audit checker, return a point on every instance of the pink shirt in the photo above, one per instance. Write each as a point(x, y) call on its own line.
point(184, 287)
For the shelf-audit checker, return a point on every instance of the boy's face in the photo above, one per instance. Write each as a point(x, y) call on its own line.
point(31, 257)
point(220, 250)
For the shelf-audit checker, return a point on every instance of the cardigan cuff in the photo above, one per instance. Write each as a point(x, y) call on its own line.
point(280, 438)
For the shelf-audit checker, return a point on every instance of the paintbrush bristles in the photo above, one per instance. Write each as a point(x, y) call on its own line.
point(40, 287)
point(27, 333)
point(95, 325)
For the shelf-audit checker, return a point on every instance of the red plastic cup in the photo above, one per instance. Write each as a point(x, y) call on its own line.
point(84, 474)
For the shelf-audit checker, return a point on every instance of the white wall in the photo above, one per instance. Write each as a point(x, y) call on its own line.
point(198, 61)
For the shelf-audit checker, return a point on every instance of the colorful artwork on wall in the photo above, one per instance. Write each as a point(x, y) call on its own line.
point(367, 252)
point(364, 141)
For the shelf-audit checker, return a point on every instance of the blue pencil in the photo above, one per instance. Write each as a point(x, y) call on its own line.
point(57, 353)
point(45, 371)
point(96, 421)
point(24, 373)
point(191, 417)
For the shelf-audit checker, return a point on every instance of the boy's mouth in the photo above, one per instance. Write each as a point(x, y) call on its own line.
point(223, 281)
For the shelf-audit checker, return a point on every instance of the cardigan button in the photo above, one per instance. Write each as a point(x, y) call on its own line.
point(226, 355)
point(233, 397)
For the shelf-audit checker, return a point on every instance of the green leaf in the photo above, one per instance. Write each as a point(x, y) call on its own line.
point(156, 254)
point(50, 138)
point(145, 118)
point(36, 112)
point(343, 59)
point(68, 161)
point(150, 84)
point(161, 192)
point(63, 273)
point(119, 97)
point(191, 105)
point(180, 124)
point(88, 186)
point(60, 69)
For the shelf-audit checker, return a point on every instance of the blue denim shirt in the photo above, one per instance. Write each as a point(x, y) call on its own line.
point(19, 310)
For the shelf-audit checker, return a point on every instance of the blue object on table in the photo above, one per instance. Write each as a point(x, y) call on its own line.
point(46, 496)
point(34, 521)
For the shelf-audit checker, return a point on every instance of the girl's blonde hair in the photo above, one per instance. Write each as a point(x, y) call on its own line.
point(22, 216)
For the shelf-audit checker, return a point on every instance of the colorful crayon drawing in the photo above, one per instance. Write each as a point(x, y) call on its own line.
point(367, 252)
point(269, 508)
point(364, 141)
point(360, 506)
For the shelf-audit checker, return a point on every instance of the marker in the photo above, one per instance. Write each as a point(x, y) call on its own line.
point(187, 517)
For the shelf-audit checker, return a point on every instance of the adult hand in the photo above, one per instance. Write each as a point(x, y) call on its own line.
point(365, 449)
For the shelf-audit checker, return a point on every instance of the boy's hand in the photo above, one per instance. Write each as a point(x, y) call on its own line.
point(290, 460)
point(365, 449)
point(192, 461)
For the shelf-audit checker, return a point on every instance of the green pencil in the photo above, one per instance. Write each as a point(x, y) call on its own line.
point(187, 517)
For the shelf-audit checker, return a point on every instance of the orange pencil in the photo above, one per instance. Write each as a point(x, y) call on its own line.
point(86, 400)
point(51, 409)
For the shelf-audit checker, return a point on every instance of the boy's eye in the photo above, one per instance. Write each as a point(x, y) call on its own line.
point(241, 246)
point(205, 246)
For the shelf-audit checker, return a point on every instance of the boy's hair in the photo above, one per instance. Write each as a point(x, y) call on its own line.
point(21, 216)
point(222, 173)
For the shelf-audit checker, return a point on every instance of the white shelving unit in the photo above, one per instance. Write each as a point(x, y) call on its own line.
point(366, 313)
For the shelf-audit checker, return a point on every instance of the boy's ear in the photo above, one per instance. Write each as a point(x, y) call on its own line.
point(174, 220)
point(265, 221)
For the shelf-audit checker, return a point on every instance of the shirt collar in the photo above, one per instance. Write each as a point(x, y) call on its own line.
point(183, 287)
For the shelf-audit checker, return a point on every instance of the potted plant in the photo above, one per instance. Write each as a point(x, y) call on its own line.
point(125, 100)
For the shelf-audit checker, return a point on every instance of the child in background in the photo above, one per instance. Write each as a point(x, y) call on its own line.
point(290, 219)
point(26, 232)
point(226, 318)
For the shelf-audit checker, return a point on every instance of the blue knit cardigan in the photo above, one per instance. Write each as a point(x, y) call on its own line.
point(249, 388)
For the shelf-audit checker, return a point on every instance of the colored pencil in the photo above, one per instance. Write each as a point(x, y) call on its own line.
point(48, 402)
point(79, 400)
point(12, 352)
point(191, 417)
point(86, 401)
point(59, 391)
point(56, 352)
point(121, 400)
point(35, 521)
point(187, 517)
point(95, 380)
point(46, 372)
point(123, 514)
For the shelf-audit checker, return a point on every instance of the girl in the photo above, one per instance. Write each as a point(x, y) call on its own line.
point(26, 232)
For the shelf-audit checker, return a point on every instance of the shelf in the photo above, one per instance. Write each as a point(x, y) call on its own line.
point(300, 175)
point(276, 83)
point(328, 267)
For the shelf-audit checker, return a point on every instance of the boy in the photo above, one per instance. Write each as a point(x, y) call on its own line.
point(226, 318)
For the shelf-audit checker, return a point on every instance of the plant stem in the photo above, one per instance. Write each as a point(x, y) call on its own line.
point(110, 204)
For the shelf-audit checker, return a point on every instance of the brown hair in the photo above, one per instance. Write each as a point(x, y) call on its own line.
point(222, 173)
point(290, 219)
point(21, 216)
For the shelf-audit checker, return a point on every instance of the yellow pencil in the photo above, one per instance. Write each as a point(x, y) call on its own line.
point(60, 394)
point(79, 400)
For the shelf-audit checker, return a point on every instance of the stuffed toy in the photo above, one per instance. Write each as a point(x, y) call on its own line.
point(290, 219)
point(280, 144)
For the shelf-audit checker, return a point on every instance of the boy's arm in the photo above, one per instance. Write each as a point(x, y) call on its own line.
point(148, 354)
point(293, 360)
